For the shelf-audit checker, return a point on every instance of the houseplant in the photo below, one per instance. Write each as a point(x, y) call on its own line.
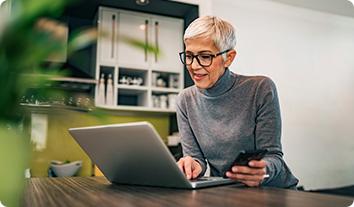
point(24, 43)
point(26, 39)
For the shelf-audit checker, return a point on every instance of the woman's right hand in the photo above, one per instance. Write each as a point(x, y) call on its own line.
point(190, 167)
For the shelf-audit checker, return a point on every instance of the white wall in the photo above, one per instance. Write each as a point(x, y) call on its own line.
point(310, 56)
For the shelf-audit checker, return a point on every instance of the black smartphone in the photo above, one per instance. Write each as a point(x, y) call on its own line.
point(244, 157)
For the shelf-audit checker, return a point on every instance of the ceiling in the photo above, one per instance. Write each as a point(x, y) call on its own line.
point(88, 8)
point(339, 7)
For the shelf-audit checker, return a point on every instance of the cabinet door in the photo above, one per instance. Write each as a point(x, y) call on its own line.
point(108, 26)
point(168, 37)
point(137, 28)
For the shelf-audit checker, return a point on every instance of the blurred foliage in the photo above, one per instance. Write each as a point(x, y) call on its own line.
point(14, 157)
point(140, 44)
point(29, 36)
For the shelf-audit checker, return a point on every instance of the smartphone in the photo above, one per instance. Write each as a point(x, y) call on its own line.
point(244, 157)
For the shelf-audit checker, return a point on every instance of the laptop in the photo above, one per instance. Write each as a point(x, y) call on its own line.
point(134, 153)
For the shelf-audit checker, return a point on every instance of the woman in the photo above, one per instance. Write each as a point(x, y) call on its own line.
point(224, 113)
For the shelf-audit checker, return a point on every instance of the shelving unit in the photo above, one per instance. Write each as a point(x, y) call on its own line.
point(141, 81)
point(66, 93)
point(74, 80)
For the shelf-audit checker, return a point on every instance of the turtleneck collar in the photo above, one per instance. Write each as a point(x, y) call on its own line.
point(225, 82)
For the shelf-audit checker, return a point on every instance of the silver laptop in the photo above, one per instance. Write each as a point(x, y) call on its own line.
point(134, 153)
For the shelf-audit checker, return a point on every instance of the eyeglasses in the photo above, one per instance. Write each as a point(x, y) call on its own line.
point(204, 60)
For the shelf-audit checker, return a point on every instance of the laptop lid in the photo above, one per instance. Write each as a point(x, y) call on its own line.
point(134, 153)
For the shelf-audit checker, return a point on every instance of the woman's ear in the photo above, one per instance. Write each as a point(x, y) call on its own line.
point(230, 56)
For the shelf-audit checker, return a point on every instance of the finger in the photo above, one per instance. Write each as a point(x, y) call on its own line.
point(257, 163)
point(180, 164)
point(188, 168)
point(245, 177)
point(231, 175)
point(197, 169)
point(196, 173)
point(248, 170)
point(250, 183)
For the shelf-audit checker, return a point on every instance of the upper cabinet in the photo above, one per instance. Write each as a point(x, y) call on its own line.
point(167, 35)
point(136, 27)
point(132, 77)
point(107, 44)
point(161, 32)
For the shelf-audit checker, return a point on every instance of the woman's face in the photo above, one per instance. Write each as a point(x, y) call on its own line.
point(204, 77)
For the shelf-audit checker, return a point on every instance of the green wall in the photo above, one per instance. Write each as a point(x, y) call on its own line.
point(61, 146)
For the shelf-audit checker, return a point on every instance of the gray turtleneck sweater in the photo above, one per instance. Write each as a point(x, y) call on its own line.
point(237, 113)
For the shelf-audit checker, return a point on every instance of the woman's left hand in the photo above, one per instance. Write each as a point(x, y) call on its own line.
point(251, 175)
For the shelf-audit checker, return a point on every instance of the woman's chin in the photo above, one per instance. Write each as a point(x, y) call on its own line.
point(201, 85)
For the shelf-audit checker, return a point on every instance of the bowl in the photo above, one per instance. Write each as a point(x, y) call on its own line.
point(67, 169)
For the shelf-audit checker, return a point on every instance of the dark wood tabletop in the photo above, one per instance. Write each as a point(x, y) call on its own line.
point(97, 191)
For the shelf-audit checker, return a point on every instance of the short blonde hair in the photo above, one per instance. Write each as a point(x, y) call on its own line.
point(219, 30)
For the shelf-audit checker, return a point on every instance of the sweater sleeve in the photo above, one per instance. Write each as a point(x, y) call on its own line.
point(190, 144)
point(268, 135)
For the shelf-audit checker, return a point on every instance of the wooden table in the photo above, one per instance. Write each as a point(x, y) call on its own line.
point(97, 191)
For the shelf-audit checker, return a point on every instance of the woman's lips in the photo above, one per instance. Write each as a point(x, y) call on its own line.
point(199, 77)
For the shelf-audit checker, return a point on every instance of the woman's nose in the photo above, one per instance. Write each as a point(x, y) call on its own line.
point(195, 64)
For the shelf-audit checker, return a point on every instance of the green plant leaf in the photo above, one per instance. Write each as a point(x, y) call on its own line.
point(139, 44)
point(81, 39)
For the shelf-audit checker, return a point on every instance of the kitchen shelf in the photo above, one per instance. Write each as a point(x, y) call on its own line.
point(165, 90)
point(132, 87)
point(55, 106)
point(137, 108)
point(74, 80)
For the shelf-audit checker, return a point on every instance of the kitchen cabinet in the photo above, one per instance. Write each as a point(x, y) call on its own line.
point(141, 80)
point(163, 33)
point(137, 27)
point(107, 47)
point(168, 37)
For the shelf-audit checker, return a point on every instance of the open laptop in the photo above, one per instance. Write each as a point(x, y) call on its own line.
point(134, 153)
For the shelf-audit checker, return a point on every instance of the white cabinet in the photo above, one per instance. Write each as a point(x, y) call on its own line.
point(107, 44)
point(167, 35)
point(161, 32)
point(141, 80)
point(136, 27)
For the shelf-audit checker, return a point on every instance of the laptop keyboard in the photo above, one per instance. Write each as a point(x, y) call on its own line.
point(205, 179)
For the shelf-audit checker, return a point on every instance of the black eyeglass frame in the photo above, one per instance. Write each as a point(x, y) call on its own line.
point(197, 57)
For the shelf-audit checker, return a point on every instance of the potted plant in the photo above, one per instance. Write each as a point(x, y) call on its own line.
point(26, 39)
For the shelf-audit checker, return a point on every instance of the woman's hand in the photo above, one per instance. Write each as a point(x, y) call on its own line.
point(190, 167)
point(251, 175)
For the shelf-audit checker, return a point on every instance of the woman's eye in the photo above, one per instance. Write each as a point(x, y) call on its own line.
point(189, 57)
point(205, 57)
